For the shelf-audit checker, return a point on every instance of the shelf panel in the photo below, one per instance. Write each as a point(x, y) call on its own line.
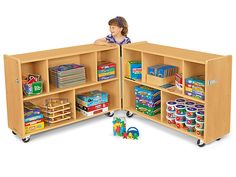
point(58, 90)
point(174, 91)
point(164, 122)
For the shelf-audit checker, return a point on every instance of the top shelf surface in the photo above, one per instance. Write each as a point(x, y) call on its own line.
point(182, 54)
point(60, 52)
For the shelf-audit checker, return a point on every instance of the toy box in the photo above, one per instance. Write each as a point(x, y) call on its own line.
point(105, 70)
point(92, 98)
point(92, 108)
point(34, 127)
point(162, 70)
point(92, 112)
point(195, 87)
point(135, 70)
point(32, 84)
point(146, 92)
point(149, 103)
point(147, 110)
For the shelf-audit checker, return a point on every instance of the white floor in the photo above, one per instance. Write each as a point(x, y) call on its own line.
point(89, 148)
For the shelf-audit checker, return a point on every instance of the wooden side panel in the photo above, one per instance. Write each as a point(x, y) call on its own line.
point(218, 98)
point(14, 95)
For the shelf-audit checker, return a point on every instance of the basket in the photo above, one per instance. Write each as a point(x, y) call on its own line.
point(33, 89)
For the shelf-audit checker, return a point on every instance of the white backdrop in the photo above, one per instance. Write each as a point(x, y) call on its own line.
point(88, 148)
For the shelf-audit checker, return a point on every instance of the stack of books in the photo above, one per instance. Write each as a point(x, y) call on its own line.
point(106, 70)
point(67, 75)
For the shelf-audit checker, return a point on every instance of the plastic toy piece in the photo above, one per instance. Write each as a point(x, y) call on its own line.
point(125, 135)
point(119, 126)
point(133, 133)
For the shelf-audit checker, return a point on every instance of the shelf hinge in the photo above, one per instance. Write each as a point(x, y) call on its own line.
point(211, 82)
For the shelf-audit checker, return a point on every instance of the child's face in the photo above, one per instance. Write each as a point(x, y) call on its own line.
point(115, 30)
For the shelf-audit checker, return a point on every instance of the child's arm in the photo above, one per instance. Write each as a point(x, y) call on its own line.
point(103, 41)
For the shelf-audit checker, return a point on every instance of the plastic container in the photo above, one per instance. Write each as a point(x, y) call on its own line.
point(180, 118)
point(189, 104)
point(33, 89)
point(170, 114)
point(200, 116)
point(200, 107)
point(190, 120)
point(191, 112)
point(190, 128)
point(170, 120)
point(180, 101)
point(180, 124)
point(199, 125)
point(199, 132)
point(180, 109)
point(171, 105)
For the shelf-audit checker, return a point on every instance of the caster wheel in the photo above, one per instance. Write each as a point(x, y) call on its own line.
point(218, 139)
point(200, 143)
point(129, 114)
point(26, 140)
point(13, 133)
point(110, 114)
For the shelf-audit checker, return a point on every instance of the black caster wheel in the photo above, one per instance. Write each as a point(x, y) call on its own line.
point(200, 143)
point(26, 140)
point(110, 114)
point(13, 133)
point(129, 114)
point(218, 139)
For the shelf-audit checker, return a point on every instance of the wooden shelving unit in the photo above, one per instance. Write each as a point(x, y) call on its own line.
point(216, 68)
point(39, 62)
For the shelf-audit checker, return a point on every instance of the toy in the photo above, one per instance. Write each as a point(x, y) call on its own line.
point(56, 110)
point(92, 98)
point(190, 120)
point(180, 109)
point(32, 85)
point(180, 118)
point(105, 70)
point(171, 105)
point(195, 87)
point(67, 75)
point(200, 116)
point(170, 120)
point(119, 126)
point(133, 133)
point(189, 104)
point(179, 81)
point(33, 118)
point(135, 70)
point(191, 112)
point(180, 101)
point(162, 70)
point(200, 107)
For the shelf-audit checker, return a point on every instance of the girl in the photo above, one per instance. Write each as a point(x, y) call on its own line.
point(119, 31)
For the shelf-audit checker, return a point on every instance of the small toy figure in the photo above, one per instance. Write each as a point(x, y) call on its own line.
point(125, 135)
point(133, 133)
point(130, 136)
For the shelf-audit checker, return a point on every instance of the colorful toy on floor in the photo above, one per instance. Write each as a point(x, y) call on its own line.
point(119, 126)
point(32, 84)
point(133, 133)
point(148, 100)
point(135, 70)
point(106, 70)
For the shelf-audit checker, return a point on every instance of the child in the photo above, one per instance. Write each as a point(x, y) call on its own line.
point(119, 31)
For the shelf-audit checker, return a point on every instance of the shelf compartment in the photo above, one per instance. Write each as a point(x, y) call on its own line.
point(39, 67)
point(129, 55)
point(112, 88)
point(151, 60)
point(129, 101)
point(112, 55)
point(190, 70)
point(88, 60)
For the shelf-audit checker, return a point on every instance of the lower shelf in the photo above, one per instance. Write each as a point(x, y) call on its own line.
point(157, 119)
point(79, 117)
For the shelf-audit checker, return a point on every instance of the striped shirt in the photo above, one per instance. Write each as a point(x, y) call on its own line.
point(111, 39)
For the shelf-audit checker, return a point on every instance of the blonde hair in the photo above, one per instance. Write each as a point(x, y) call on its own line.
point(120, 22)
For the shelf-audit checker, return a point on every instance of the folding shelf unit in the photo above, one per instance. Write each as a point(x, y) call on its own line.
point(216, 68)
